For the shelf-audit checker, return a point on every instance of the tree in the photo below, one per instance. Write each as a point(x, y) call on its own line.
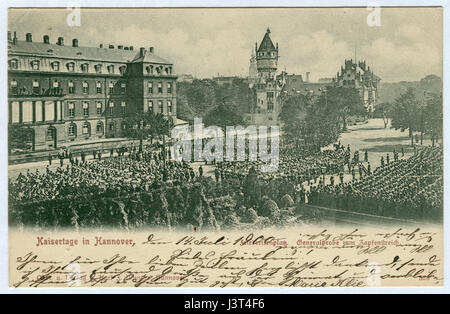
point(384, 110)
point(343, 102)
point(434, 117)
point(293, 115)
point(198, 98)
point(143, 126)
point(406, 113)
point(19, 137)
point(195, 99)
point(223, 115)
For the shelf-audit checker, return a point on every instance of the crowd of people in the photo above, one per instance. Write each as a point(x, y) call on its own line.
point(403, 188)
point(295, 168)
point(110, 176)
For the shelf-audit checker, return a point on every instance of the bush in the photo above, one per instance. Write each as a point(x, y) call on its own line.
point(231, 221)
point(249, 216)
point(287, 201)
point(270, 209)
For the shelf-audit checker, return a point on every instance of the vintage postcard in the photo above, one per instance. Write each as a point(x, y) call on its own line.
point(225, 147)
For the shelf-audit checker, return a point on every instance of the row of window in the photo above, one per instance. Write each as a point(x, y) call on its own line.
point(70, 66)
point(72, 129)
point(35, 111)
point(151, 107)
point(14, 88)
point(160, 70)
point(84, 68)
point(71, 86)
point(262, 54)
point(99, 108)
point(159, 88)
point(39, 111)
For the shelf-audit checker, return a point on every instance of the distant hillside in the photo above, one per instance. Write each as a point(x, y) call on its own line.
point(390, 91)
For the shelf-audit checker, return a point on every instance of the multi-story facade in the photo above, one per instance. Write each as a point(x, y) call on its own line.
point(360, 76)
point(67, 93)
point(267, 85)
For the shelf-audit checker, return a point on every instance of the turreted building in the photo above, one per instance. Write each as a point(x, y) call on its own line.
point(360, 76)
point(267, 85)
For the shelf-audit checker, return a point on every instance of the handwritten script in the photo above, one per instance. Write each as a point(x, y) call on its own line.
point(345, 257)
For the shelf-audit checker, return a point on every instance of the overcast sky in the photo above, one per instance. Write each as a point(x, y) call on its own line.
point(205, 42)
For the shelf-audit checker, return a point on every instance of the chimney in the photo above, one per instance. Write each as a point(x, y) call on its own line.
point(15, 38)
point(120, 47)
point(131, 48)
point(9, 36)
point(101, 45)
point(152, 49)
point(142, 52)
point(60, 41)
point(29, 37)
point(75, 42)
point(46, 39)
point(307, 76)
point(111, 46)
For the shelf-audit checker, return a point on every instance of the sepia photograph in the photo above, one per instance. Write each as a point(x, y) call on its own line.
point(225, 147)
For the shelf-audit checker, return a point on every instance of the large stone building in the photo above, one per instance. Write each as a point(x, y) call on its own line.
point(267, 85)
point(360, 76)
point(65, 94)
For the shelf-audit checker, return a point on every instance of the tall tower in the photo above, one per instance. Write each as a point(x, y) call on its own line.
point(266, 56)
point(267, 86)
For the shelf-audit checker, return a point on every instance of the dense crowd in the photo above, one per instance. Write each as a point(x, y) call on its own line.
point(295, 167)
point(111, 176)
point(405, 188)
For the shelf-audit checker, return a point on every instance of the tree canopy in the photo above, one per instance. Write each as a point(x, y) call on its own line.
point(196, 99)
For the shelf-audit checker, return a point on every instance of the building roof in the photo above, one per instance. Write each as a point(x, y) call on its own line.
point(81, 53)
point(266, 43)
point(294, 85)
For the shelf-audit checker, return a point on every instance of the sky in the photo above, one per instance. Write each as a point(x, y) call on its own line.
point(406, 45)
